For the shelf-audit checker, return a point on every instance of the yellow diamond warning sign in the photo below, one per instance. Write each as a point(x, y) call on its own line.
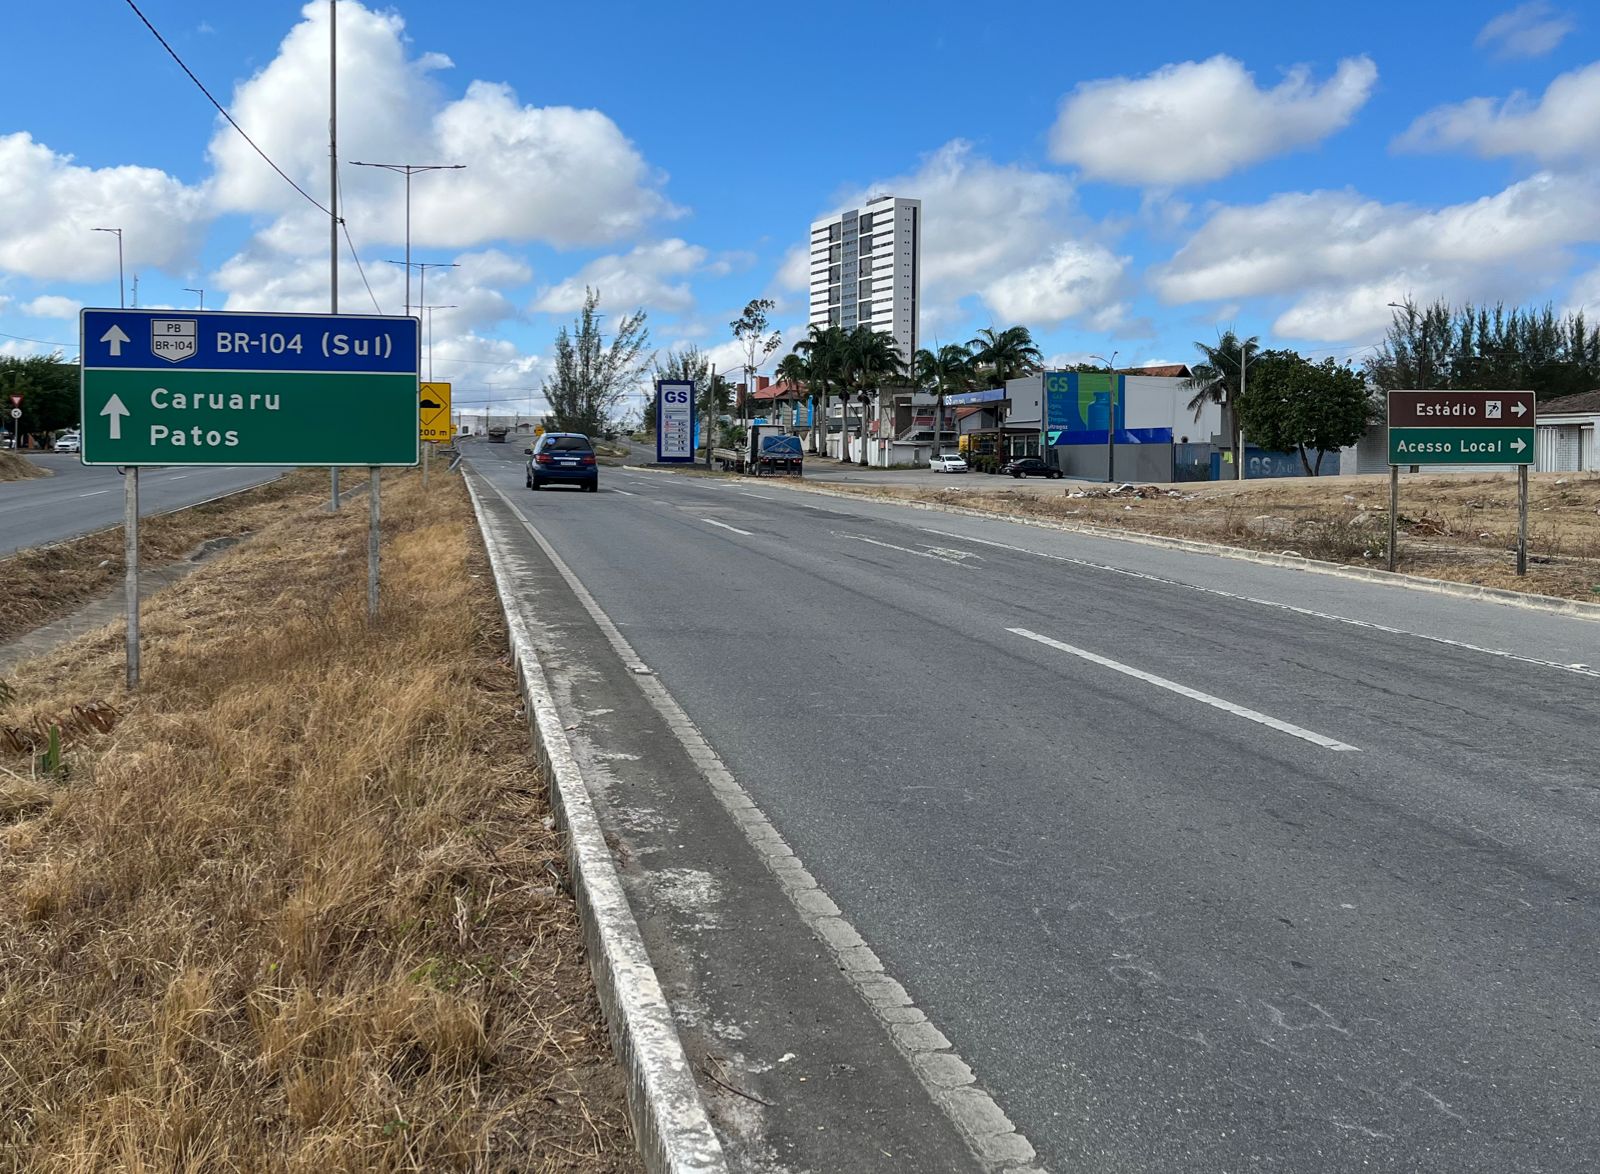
point(435, 417)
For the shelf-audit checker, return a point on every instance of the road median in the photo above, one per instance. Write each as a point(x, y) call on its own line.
point(295, 903)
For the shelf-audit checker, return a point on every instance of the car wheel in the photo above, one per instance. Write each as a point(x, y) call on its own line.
point(535, 483)
point(593, 487)
point(1017, 475)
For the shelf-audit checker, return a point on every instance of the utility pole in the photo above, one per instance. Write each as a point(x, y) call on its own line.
point(1238, 420)
point(1111, 417)
point(408, 170)
point(333, 193)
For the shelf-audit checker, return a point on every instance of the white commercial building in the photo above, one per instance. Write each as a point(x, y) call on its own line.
point(866, 270)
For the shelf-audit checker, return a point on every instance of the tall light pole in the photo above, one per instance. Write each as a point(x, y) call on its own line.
point(1111, 417)
point(408, 170)
point(201, 292)
point(422, 267)
point(122, 295)
point(428, 311)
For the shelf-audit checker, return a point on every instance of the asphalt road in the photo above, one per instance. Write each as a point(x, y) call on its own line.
point(80, 498)
point(1200, 865)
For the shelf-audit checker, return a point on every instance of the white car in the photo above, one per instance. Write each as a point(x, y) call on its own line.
point(948, 463)
point(70, 442)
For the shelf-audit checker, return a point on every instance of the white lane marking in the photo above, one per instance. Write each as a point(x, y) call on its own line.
point(1284, 727)
point(96, 493)
point(938, 1066)
point(762, 496)
point(725, 526)
point(625, 492)
point(954, 562)
point(1581, 669)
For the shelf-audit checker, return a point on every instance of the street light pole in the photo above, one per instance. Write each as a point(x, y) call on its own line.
point(201, 292)
point(428, 311)
point(1111, 417)
point(408, 170)
point(122, 295)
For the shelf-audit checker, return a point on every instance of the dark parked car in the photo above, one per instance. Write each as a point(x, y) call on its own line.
point(562, 457)
point(1029, 467)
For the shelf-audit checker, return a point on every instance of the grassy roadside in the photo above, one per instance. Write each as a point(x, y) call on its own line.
point(298, 907)
point(16, 468)
point(1460, 527)
point(45, 583)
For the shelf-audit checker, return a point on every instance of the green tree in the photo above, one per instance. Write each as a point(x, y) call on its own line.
point(871, 359)
point(824, 351)
point(1215, 379)
point(1002, 355)
point(794, 369)
point(943, 371)
point(750, 332)
point(1486, 349)
point(591, 376)
point(1295, 405)
point(49, 390)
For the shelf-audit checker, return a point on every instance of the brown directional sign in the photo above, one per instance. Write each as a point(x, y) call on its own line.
point(1461, 409)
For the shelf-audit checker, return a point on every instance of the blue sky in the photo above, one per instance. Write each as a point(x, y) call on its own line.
point(1128, 177)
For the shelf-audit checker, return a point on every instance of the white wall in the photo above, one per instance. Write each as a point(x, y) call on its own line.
point(1157, 401)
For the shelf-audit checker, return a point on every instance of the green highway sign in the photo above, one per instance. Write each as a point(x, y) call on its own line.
point(1460, 446)
point(169, 387)
point(1461, 427)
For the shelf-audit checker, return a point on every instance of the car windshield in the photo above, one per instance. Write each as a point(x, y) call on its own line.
point(569, 444)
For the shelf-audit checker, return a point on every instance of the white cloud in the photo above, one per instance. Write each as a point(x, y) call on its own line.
point(565, 176)
point(50, 205)
point(1341, 256)
point(1584, 294)
point(1072, 279)
point(646, 277)
point(1004, 233)
point(52, 306)
point(1201, 120)
point(794, 273)
point(1562, 125)
point(1528, 30)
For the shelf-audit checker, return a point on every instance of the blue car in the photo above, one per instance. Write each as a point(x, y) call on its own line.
point(563, 458)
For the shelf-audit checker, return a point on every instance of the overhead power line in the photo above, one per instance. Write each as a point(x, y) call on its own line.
point(220, 109)
point(355, 256)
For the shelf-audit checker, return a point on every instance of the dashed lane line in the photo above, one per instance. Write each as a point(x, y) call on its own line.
point(1252, 715)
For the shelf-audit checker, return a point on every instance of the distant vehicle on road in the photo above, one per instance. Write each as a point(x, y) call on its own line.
point(497, 434)
point(562, 458)
point(69, 442)
point(949, 462)
point(764, 449)
point(1020, 467)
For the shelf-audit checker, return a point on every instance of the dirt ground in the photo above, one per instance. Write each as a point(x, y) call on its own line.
point(16, 468)
point(1451, 526)
point(295, 906)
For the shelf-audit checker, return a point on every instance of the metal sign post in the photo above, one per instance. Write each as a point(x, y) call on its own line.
point(374, 518)
point(211, 387)
point(130, 559)
point(1463, 428)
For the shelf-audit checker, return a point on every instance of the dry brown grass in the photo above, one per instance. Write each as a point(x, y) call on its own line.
point(1460, 527)
point(296, 911)
point(16, 468)
point(47, 582)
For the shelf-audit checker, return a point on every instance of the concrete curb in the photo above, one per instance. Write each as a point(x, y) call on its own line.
point(1578, 608)
point(673, 1132)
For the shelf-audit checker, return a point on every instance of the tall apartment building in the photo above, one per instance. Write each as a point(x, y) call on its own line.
point(866, 269)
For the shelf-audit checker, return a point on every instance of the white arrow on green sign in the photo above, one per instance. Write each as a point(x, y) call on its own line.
point(164, 387)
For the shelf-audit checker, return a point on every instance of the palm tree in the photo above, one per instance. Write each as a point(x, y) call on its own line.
point(793, 368)
point(1002, 355)
point(941, 372)
point(871, 359)
point(824, 351)
point(1217, 379)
